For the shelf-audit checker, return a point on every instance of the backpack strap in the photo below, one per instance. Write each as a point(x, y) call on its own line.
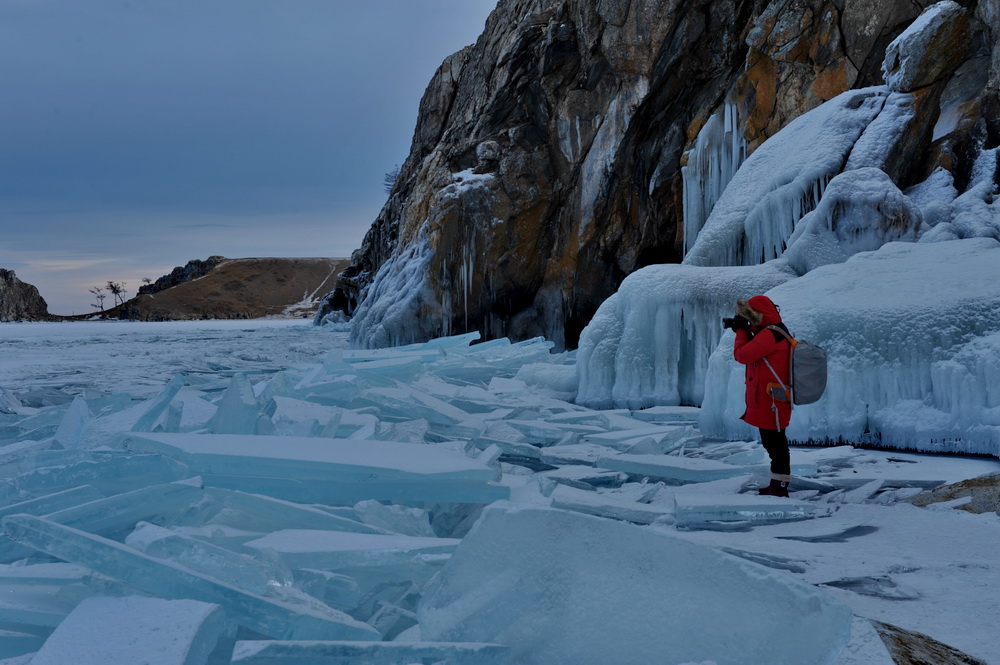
point(791, 377)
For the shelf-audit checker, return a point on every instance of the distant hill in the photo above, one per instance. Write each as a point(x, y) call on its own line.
point(222, 288)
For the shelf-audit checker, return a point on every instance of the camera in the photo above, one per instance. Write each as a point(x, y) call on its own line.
point(736, 323)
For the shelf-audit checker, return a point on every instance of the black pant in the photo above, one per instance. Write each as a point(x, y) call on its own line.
point(776, 444)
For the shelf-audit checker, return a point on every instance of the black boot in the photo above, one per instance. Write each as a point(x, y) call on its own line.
point(776, 488)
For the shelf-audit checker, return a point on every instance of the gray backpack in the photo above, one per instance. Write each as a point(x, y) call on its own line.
point(807, 369)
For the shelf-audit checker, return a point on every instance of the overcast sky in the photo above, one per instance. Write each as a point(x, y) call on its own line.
point(136, 135)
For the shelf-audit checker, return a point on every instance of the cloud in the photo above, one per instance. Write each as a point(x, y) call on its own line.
point(140, 134)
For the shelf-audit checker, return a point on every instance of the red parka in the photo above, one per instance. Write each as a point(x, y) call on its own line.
point(763, 411)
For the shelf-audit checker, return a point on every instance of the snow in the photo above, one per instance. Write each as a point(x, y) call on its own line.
point(360, 565)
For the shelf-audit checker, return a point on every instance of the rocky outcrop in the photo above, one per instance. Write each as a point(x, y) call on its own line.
point(181, 274)
point(547, 161)
point(236, 289)
point(908, 647)
point(20, 301)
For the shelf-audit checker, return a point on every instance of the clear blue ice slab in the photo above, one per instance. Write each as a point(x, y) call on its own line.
point(48, 503)
point(245, 572)
point(260, 652)
point(113, 474)
point(671, 468)
point(238, 409)
point(256, 512)
point(111, 515)
point(169, 580)
point(331, 550)
point(693, 509)
point(330, 471)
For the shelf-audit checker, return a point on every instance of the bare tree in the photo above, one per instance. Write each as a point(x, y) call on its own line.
point(390, 178)
point(117, 289)
point(100, 295)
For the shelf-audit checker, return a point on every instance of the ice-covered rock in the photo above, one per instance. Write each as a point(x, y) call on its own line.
point(552, 597)
point(861, 210)
point(930, 48)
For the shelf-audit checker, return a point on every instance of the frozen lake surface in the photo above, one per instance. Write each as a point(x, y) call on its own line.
point(272, 496)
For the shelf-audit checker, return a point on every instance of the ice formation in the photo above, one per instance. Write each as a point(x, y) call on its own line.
point(394, 300)
point(780, 182)
point(717, 154)
point(548, 598)
point(860, 211)
point(649, 343)
point(912, 365)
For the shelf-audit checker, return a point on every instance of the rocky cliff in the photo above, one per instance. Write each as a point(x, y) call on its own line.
point(577, 139)
point(20, 301)
point(222, 288)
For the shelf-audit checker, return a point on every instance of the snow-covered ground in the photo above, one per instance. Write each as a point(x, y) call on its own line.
point(304, 491)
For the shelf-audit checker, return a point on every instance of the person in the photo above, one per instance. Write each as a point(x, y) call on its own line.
point(768, 405)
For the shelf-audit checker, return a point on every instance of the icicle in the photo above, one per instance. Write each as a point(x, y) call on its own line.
point(717, 154)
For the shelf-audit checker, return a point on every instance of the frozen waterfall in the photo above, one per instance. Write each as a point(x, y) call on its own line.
point(717, 154)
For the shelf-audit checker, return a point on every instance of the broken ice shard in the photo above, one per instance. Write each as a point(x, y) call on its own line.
point(370, 653)
point(52, 502)
point(169, 580)
point(255, 512)
point(109, 516)
point(237, 569)
point(606, 505)
point(671, 468)
point(159, 404)
point(111, 473)
point(238, 410)
point(693, 509)
point(131, 629)
point(70, 431)
point(332, 471)
point(332, 550)
point(570, 588)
